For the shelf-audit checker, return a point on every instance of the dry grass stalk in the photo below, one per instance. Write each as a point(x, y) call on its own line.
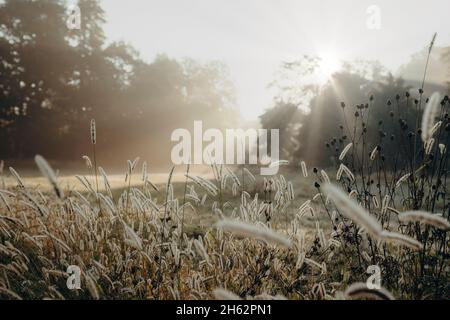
point(429, 115)
point(253, 231)
point(352, 210)
point(425, 218)
point(360, 290)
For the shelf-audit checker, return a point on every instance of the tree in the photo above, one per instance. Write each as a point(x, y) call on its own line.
point(284, 117)
point(362, 91)
point(54, 80)
point(33, 48)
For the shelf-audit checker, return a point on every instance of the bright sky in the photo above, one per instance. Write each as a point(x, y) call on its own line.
point(253, 37)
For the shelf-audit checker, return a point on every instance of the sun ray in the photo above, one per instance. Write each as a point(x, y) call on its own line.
point(329, 64)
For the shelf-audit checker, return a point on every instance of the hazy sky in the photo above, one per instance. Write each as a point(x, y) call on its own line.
point(254, 36)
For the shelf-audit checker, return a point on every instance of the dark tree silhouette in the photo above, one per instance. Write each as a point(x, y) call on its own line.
point(54, 80)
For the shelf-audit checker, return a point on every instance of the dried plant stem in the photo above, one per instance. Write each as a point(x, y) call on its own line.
point(95, 168)
point(163, 236)
point(184, 202)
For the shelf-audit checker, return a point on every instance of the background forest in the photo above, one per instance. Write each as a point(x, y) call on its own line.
point(54, 80)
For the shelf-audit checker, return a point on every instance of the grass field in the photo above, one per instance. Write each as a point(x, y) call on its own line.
point(169, 239)
point(202, 218)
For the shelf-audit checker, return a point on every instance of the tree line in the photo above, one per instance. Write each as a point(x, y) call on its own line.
point(316, 121)
point(55, 79)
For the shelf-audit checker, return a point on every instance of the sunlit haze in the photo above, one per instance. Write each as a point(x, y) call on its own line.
point(232, 150)
point(253, 37)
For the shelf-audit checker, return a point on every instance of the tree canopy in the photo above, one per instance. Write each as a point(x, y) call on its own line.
point(54, 80)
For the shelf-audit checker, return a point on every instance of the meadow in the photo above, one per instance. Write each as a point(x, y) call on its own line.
point(306, 233)
point(360, 208)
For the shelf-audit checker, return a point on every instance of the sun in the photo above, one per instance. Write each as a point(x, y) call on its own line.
point(329, 64)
